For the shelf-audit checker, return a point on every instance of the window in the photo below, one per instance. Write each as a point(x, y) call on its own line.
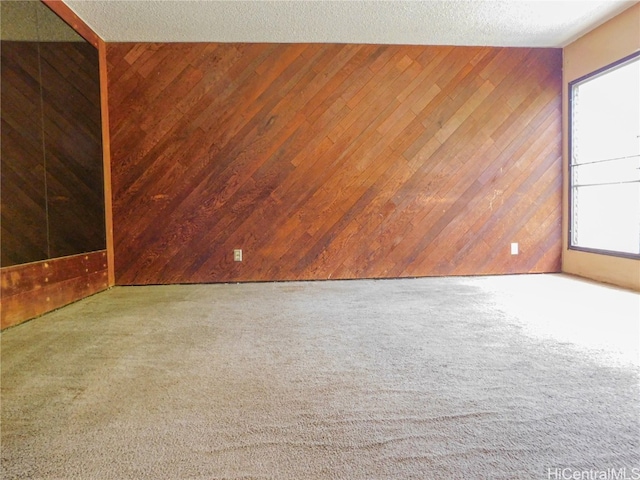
point(604, 160)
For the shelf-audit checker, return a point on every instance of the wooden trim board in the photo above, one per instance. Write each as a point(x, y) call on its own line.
point(106, 159)
point(69, 16)
point(33, 289)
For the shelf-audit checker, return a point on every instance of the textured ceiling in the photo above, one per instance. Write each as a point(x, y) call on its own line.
point(533, 23)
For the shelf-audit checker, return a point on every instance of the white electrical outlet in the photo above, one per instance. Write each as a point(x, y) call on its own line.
point(237, 255)
point(514, 249)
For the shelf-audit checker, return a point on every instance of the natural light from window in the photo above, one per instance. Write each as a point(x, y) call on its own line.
point(605, 160)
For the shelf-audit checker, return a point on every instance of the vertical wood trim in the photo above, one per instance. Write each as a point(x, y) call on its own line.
point(69, 16)
point(106, 159)
point(34, 289)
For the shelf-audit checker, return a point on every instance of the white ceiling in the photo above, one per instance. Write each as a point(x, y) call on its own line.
point(517, 23)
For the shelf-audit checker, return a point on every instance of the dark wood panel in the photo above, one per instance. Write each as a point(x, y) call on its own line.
point(332, 161)
point(23, 216)
point(51, 159)
point(36, 288)
point(73, 147)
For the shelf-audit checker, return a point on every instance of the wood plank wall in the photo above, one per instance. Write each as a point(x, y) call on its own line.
point(333, 161)
point(52, 201)
point(23, 199)
point(70, 81)
point(35, 288)
point(32, 289)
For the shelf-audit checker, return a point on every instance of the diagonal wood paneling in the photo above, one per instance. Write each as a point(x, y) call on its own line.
point(51, 161)
point(333, 161)
point(23, 209)
point(73, 147)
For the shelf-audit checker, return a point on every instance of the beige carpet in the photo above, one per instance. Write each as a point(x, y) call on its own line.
point(463, 378)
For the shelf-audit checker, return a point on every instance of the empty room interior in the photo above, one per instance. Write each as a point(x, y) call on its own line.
point(313, 239)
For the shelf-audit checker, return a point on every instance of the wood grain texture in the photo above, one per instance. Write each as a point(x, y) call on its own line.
point(51, 191)
point(73, 147)
point(36, 288)
point(106, 160)
point(332, 161)
point(23, 200)
point(52, 182)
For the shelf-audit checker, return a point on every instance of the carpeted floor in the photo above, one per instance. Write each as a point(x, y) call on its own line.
point(515, 377)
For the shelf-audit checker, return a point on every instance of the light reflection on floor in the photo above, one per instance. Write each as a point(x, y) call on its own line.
point(601, 320)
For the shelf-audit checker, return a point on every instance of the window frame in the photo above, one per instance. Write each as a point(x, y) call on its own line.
point(570, 86)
